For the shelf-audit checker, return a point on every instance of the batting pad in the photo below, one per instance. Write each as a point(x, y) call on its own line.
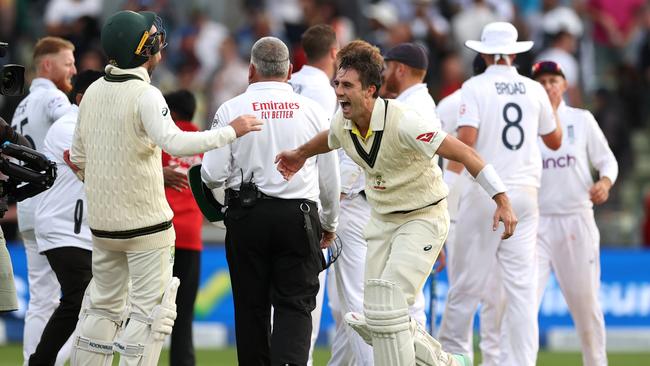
point(94, 334)
point(143, 337)
point(358, 322)
point(387, 316)
point(428, 352)
point(209, 206)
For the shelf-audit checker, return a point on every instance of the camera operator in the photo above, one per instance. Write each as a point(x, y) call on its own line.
point(47, 101)
point(8, 301)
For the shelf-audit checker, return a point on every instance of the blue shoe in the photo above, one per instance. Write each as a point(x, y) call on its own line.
point(462, 360)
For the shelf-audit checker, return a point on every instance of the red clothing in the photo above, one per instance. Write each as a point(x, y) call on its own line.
point(622, 12)
point(188, 219)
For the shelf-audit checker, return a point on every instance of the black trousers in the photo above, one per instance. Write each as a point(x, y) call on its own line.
point(72, 267)
point(273, 262)
point(187, 266)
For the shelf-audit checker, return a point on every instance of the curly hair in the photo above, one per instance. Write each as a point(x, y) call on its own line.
point(365, 59)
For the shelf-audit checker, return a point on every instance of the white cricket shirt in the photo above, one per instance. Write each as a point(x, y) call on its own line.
point(290, 121)
point(447, 110)
point(510, 111)
point(566, 176)
point(61, 215)
point(33, 117)
point(397, 156)
point(314, 84)
point(418, 98)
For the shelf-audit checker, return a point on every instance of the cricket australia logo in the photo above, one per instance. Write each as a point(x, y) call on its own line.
point(380, 183)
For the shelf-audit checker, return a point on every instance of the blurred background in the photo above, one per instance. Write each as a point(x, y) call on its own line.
point(603, 46)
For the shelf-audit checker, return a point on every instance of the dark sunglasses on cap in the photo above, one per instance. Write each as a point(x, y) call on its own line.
point(546, 67)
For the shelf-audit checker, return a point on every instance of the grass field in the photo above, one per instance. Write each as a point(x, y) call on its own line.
point(11, 355)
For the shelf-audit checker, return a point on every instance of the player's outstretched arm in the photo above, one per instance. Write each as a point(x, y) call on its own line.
point(290, 161)
point(454, 149)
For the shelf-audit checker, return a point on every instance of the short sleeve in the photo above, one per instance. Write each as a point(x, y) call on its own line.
point(468, 110)
point(420, 134)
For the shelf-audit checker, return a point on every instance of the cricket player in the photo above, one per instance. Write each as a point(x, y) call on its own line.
point(409, 220)
point(501, 114)
point(568, 241)
point(406, 67)
point(314, 82)
point(46, 102)
point(62, 231)
point(123, 124)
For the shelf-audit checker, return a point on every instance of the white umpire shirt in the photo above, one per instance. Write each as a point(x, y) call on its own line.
point(290, 121)
point(44, 104)
point(61, 214)
point(566, 177)
point(510, 111)
point(314, 84)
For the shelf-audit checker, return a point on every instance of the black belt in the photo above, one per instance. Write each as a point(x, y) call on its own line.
point(129, 234)
point(409, 211)
point(232, 196)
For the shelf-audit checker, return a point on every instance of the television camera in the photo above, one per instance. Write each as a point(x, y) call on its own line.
point(12, 77)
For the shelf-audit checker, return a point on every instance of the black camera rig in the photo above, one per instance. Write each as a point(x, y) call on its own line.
point(33, 176)
point(12, 77)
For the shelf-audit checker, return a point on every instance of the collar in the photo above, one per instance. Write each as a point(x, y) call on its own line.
point(139, 72)
point(41, 83)
point(262, 85)
point(413, 89)
point(315, 72)
point(562, 106)
point(501, 69)
point(376, 118)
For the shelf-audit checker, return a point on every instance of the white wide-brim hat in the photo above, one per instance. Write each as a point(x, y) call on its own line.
point(499, 38)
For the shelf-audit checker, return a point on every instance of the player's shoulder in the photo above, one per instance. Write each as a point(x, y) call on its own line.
point(579, 116)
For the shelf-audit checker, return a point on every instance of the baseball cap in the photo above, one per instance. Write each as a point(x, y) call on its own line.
point(409, 54)
point(546, 67)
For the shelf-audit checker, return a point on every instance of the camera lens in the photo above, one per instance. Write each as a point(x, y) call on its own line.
point(12, 80)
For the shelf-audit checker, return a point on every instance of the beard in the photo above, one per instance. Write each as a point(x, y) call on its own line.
point(64, 85)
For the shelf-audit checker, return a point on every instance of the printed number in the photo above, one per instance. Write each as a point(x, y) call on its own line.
point(512, 123)
point(29, 138)
point(78, 216)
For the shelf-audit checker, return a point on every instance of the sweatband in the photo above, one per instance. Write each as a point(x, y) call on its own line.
point(490, 181)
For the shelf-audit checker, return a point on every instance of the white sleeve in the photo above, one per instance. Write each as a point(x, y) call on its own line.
point(468, 110)
point(547, 123)
point(418, 133)
point(217, 164)
point(78, 151)
point(157, 122)
point(329, 181)
point(57, 106)
point(600, 155)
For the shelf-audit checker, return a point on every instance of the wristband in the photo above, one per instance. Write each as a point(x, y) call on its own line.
point(490, 181)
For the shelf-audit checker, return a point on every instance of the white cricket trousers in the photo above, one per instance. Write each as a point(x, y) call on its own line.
point(44, 294)
point(347, 346)
point(475, 246)
point(148, 270)
point(569, 245)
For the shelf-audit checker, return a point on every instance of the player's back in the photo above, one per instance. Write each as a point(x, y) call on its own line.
point(510, 111)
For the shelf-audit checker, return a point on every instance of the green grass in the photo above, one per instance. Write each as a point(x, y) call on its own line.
point(11, 355)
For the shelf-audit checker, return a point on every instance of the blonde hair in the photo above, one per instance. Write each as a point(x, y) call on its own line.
point(49, 46)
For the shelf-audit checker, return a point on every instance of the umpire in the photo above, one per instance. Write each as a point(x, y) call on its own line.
point(273, 225)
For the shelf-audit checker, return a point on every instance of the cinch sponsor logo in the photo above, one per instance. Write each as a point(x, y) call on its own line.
point(267, 106)
point(559, 162)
